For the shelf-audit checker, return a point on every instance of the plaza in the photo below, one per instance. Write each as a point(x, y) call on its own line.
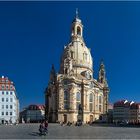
point(56, 131)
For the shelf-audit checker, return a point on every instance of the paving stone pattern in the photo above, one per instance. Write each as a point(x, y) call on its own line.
point(30, 131)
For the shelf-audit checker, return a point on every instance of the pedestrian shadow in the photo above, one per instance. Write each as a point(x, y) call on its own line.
point(34, 134)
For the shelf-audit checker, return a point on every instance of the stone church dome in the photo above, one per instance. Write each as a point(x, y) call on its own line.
point(76, 54)
point(79, 53)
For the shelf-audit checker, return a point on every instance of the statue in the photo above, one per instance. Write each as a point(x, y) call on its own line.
point(80, 109)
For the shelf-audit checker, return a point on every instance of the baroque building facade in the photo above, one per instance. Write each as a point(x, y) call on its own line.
point(73, 94)
point(9, 102)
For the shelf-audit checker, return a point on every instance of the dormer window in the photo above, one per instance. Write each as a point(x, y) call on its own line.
point(2, 86)
point(7, 87)
point(88, 75)
point(85, 56)
point(11, 87)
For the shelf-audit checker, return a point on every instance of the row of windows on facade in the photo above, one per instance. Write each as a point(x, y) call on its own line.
point(122, 112)
point(6, 99)
point(125, 110)
point(78, 97)
point(7, 107)
point(3, 80)
point(66, 106)
point(6, 113)
point(6, 86)
point(136, 113)
point(85, 55)
point(7, 93)
point(78, 101)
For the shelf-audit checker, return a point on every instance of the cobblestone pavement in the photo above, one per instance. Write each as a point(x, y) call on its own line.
point(30, 131)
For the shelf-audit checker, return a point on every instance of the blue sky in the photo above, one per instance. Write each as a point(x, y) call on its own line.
point(33, 34)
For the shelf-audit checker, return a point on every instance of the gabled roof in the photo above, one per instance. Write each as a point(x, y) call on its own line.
point(6, 84)
point(36, 107)
point(123, 103)
point(135, 106)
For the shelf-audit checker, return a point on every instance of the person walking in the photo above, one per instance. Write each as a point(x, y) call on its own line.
point(41, 127)
point(46, 125)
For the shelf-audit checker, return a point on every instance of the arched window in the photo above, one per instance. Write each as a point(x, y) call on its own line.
point(72, 54)
point(91, 102)
point(66, 71)
point(91, 97)
point(78, 30)
point(65, 95)
point(78, 100)
point(100, 108)
point(100, 102)
point(78, 96)
point(66, 98)
point(100, 99)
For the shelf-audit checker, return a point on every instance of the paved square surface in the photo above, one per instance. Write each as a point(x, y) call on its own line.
point(30, 131)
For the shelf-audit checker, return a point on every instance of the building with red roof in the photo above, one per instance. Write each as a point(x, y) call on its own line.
point(126, 111)
point(9, 103)
point(32, 114)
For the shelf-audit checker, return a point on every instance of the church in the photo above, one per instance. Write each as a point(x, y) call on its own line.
point(73, 94)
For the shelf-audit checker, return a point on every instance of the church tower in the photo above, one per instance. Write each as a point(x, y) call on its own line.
point(52, 75)
point(73, 94)
point(77, 29)
point(102, 79)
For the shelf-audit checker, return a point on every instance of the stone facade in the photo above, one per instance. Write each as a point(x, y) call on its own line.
point(73, 94)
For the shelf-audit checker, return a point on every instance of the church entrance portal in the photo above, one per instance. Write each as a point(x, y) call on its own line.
point(65, 118)
point(91, 118)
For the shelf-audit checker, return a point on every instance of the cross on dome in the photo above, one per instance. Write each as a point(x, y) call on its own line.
point(77, 13)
